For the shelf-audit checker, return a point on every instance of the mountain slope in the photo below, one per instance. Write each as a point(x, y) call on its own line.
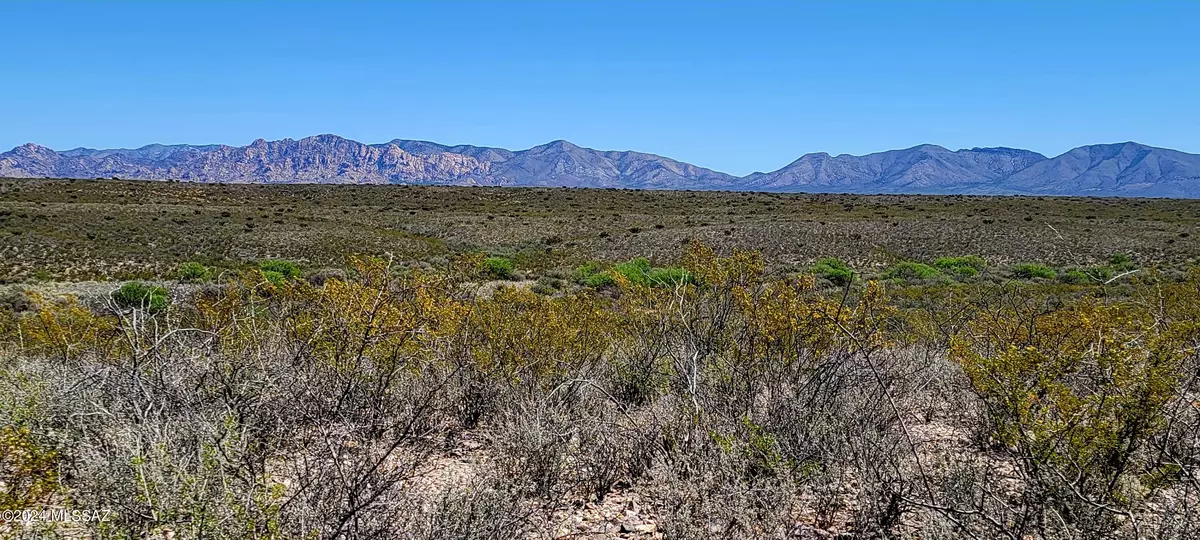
point(921, 169)
point(1128, 169)
point(1122, 169)
point(333, 159)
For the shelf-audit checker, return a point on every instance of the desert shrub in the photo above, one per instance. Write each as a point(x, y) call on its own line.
point(834, 270)
point(668, 277)
point(498, 268)
point(136, 294)
point(1075, 276)
point(1083, 442)
point(1033, 271)
point(547, 285)
point(636, 271)
point(551, 282)
point(278, 271)
point(965, 266)
point(28, 469)
point(911, 271)
point(16, 300)
point(593, 275)
point(752, 403)
point(1085, 276)
point(640, 272)
point(1121, 262)
point(479, 509)
point(320, 277)
point(193, 272)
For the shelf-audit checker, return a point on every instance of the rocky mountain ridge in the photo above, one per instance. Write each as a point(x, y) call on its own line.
point(1122, 169)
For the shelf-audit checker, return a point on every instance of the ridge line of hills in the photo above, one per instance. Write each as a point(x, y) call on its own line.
point(1122, 169)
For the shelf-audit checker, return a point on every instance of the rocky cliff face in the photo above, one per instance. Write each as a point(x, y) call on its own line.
point(1128, 169)
point(320, 159)
point(333, 159)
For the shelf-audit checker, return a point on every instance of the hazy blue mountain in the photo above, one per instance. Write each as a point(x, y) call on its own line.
point(921, 169)
point(1129, 169)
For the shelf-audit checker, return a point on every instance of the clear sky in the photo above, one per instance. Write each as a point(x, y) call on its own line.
point(737, 87)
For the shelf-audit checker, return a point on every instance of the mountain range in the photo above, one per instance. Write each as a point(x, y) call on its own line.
point(1121, 169)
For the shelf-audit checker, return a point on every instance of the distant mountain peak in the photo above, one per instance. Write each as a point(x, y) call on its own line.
point(31, 148)
point(1125, 168)
point(928, 148)
point(557, 145)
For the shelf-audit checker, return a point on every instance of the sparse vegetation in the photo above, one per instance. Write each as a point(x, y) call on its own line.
point(56, 229)
point(724, 393)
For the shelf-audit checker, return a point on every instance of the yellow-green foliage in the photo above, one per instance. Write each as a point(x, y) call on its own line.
point(1071, 384)
point(1080, 388)
point(66, 329)
point(519, 331)
point(28, 473)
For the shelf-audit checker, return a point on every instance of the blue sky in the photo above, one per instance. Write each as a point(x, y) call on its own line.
point(737, 87)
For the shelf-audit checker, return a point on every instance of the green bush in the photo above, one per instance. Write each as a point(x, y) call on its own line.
point(638, 271)
point(634, 270)
point(193, 272)
point(1075, 276)
point(668, 277)
point(498, 268)
point(593, 275)
point(140, 295)
point(964, 266)
point(835, 270)
point(1084, 276)
point(1031, 271)
point(911, 271)
point(1121, 262)
point(278, 271)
